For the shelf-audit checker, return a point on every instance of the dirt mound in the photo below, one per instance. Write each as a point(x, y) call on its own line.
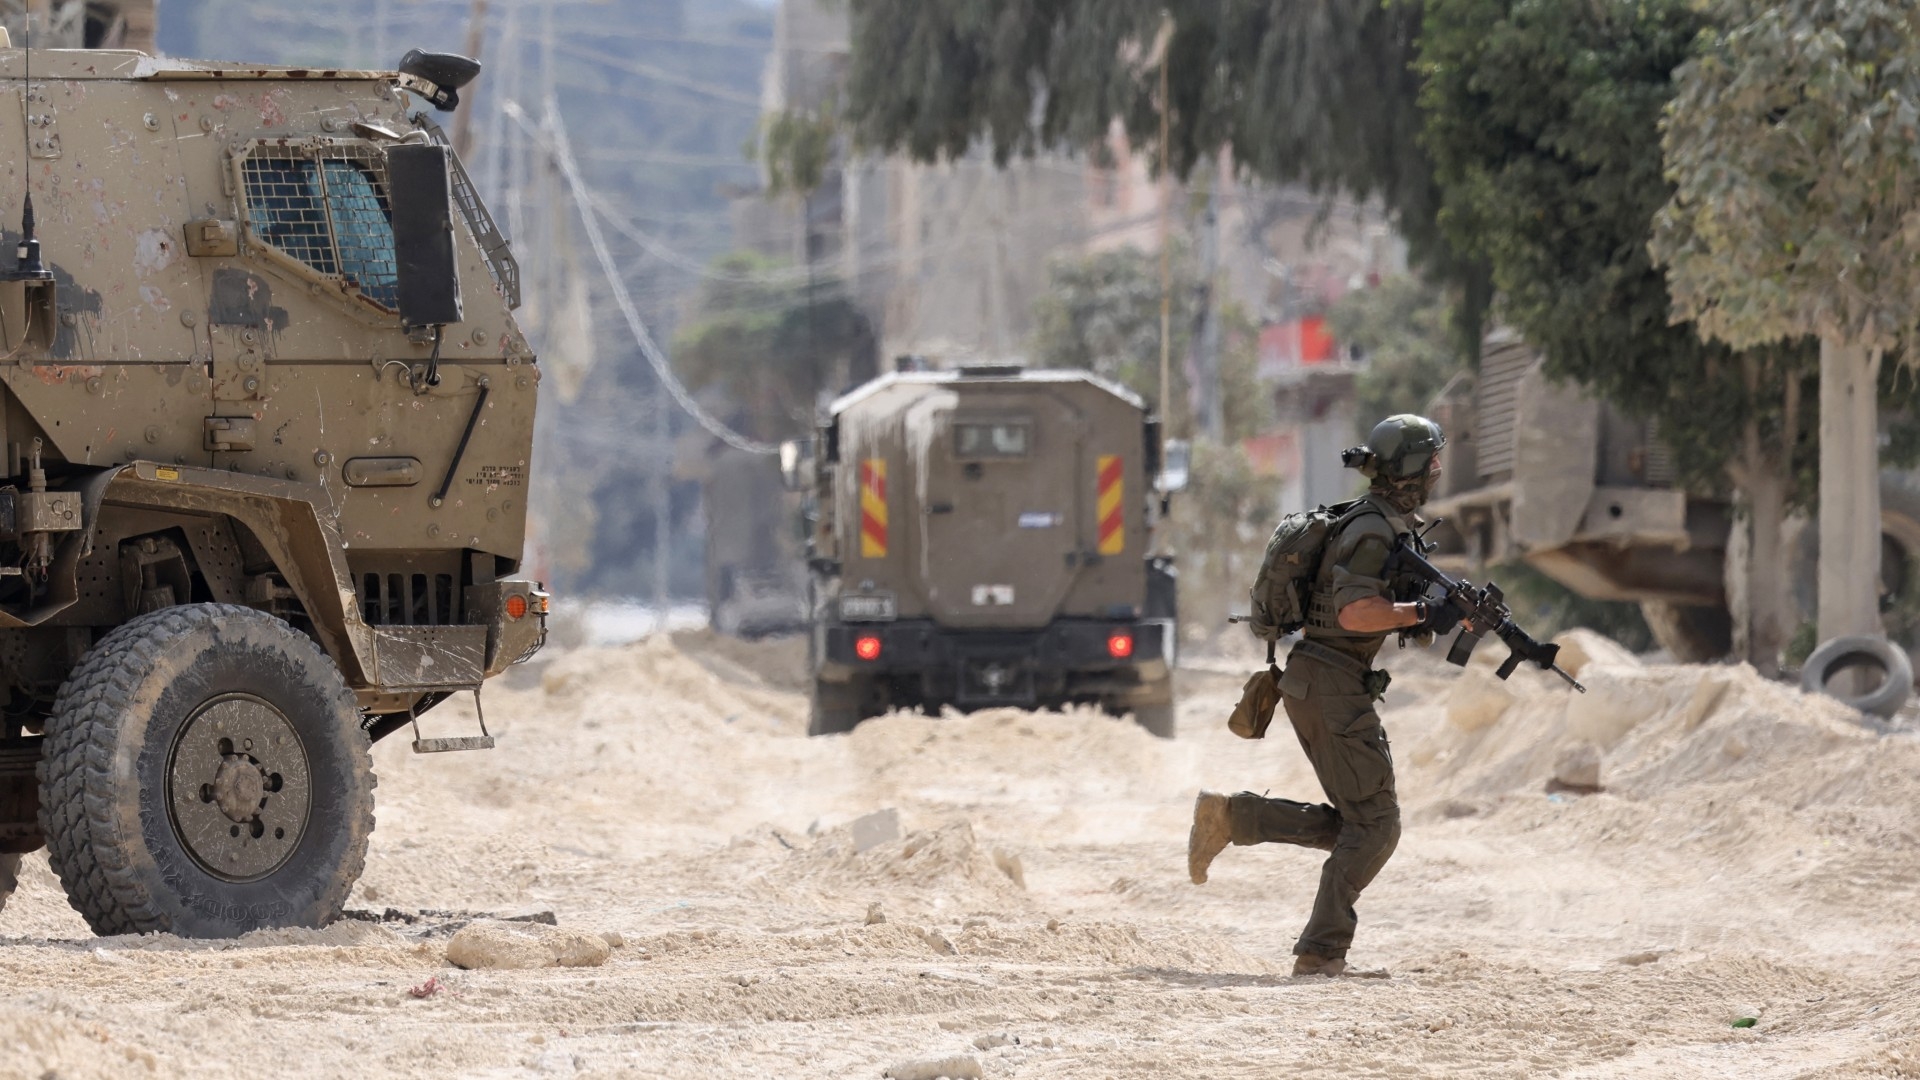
point(1653, 728)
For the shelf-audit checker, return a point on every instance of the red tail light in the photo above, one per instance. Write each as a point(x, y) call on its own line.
point(1120, 645)
point(867, 647)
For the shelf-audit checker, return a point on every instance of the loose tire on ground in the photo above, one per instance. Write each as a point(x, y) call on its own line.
point(836, 708)
point(1862, 650)
point(9, 877)
point(206, 774)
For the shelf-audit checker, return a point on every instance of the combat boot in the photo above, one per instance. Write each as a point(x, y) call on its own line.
point(1211, 831)
point(1312, 964)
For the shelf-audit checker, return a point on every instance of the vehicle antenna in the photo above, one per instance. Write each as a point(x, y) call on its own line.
point(27, 266)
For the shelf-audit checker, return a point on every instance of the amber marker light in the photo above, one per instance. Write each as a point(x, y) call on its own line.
point(867, 647)
point(516, 606)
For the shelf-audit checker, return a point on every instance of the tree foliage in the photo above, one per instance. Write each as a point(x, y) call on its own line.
point(1794, 145)
point(1399, 328)
point(772, 343)
point(1319, 92)
point(1101, 312)
point(1543, 120)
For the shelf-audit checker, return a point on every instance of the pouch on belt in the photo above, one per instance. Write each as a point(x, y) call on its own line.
point(1257, 702)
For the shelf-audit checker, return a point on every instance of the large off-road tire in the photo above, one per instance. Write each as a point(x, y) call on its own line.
point(206, 774)
point(836, 708)
point(9, 877)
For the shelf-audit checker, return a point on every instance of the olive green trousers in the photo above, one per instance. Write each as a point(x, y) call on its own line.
point(1333, 717)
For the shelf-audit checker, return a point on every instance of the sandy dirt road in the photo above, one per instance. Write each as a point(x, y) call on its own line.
point(1755, 854)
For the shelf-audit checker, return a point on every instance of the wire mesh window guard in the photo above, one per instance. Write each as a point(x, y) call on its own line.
point(500, 261)
point(326, 207)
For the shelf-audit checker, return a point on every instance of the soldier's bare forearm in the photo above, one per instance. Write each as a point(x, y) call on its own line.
point(1377, 614)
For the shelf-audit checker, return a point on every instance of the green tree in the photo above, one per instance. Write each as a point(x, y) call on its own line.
point(1321, 93)
point(1102, 312)
point(1400, 329)
point(1791, 142)
point(772, 344)
point(1543, 121)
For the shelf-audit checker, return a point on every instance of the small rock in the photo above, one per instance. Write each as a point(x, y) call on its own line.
point(958, 1067)
point(872, 830)
point(1009, 864)
point(1636, 959)
point(992, 1042)
point(614, 939)
point(1458, 808)
point(1053, 924)
point(524, 945)
point(875, 916)
point(1578, 768)
point(543, 916)
point(938, 942)
point(1478, 700)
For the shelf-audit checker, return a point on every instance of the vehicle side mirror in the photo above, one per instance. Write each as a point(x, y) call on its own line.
point(796, 464)
point(420, 194)
point(1174, 471)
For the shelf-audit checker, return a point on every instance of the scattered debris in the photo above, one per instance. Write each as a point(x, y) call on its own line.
point(1009, 864)
point(1636, 959)
point(525, 945)
point(959, 1067)
point(875, 916)
point(1746, 1021)
point(427, 989)
point(1577, 770)
point(871, 830)
point(994, 1042)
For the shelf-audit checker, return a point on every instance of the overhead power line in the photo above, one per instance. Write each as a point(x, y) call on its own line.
point(554, 138)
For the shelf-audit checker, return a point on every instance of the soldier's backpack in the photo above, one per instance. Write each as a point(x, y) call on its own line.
point(1284, 586)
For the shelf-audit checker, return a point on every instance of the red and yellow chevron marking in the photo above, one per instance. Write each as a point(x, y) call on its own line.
point(873, 508)
point(1109, 512)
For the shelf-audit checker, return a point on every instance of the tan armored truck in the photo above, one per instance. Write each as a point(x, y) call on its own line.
point(984, 537)
point(265, 421)
point(1540, 471)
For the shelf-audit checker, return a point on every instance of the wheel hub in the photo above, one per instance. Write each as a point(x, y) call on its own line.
point(238, 787)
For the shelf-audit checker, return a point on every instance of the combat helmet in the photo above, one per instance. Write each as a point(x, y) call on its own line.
point(1398, 456)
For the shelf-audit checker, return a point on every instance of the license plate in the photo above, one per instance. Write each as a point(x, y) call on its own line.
point(856, 608)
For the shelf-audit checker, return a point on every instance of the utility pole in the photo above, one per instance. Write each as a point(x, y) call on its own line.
point(1211, 403)
point(476, 40)
point(382, 14)
point(1164, 48)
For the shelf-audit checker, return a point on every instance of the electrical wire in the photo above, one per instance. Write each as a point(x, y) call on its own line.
point(555, 139)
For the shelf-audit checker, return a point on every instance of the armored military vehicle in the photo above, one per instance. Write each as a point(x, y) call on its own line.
point(265, 420)
point(1539, 470)
point(984, 537)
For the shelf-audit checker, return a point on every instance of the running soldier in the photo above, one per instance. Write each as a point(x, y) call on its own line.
point(1329, 688)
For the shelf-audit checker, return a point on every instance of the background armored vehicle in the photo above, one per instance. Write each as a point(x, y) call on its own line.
point(1542, 472)
point(756, 576)
point(984, 537)
point(264, 427)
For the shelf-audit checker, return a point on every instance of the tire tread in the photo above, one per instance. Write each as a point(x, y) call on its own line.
point(84, 843)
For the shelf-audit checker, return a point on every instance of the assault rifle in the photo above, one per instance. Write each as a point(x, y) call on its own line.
point(1484, 609)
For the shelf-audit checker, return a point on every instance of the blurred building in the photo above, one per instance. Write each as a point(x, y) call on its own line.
point(82, 24)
